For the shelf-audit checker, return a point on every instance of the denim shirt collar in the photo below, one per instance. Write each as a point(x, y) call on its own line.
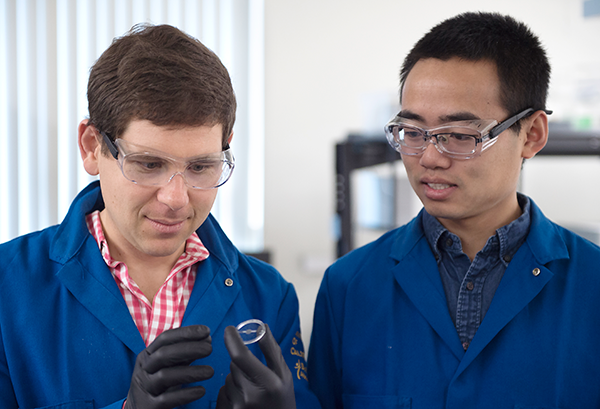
point(504, 243)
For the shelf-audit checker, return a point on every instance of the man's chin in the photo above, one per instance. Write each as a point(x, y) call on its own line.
point(441, 211)
point(164, 248)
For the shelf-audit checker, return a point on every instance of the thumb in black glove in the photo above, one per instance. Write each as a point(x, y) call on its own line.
point(164, 366)
point(252, 385)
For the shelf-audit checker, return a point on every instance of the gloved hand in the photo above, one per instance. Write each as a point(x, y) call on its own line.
point(252, 385)
point(164, 366)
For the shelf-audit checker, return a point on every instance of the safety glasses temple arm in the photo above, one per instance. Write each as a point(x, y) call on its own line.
point(111, 145)
point(503, 126)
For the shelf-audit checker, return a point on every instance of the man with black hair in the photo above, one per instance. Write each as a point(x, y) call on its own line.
point(480, 301)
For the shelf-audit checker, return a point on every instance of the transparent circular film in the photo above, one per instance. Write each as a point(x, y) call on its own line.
point(251, 331)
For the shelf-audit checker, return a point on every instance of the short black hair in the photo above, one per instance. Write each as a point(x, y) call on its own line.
point(523, 67)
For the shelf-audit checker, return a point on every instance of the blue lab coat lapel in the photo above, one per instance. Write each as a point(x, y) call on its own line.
point(417, 273)
point(212, 297)
point(217, 284)
point(85, 274)
point(91, 283)
point(525, 277)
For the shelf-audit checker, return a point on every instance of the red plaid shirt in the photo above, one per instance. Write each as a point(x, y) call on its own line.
point(166, 310)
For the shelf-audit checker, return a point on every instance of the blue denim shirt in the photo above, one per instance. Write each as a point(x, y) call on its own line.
point(470, 286)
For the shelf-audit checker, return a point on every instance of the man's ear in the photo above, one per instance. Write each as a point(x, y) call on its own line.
point(536, 134)
point(230, 138)
point(89, 147)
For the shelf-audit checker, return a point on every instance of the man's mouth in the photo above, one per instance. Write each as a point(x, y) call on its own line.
point(438, 186)
point(168, 222)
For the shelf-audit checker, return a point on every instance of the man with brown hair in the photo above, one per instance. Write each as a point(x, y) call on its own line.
point(131, 302)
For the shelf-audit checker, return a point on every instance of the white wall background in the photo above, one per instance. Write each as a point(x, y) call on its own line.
point(327, 61)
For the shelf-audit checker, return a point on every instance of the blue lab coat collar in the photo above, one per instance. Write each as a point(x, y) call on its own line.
point(417, 273)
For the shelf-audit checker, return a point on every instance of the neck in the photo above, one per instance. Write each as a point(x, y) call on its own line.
point(475, 232)
point(149, 273)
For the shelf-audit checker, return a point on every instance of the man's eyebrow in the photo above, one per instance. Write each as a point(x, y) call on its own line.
point(459, 116)
point(406, 114)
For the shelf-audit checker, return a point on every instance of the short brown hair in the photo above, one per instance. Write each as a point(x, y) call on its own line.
point(163, 75)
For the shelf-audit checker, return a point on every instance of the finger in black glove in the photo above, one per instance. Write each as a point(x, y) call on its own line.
point(252, 385)
point(164, 366)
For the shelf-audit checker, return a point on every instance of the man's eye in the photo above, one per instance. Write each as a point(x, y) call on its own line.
point(151, 165)
point(412, 134)
point(203, 167)
point(455, 137)
point(460, 136)
point(147, 164)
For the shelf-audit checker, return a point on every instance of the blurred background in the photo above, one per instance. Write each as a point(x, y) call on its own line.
point(308, 74)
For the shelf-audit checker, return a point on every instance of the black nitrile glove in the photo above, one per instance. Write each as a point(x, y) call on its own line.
point(162, 368)
point(252, 385)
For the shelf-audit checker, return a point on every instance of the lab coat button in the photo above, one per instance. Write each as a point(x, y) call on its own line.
point(536, 271)
point(228, 282)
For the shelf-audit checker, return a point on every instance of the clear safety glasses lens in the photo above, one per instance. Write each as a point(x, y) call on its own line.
point(457, 141)
point(147, 168)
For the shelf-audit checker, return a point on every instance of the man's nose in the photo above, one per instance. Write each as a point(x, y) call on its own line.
point(432, 157)
point(175, 193)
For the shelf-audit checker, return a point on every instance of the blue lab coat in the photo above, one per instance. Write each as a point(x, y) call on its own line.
point(67, 339)
point(383, 338)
